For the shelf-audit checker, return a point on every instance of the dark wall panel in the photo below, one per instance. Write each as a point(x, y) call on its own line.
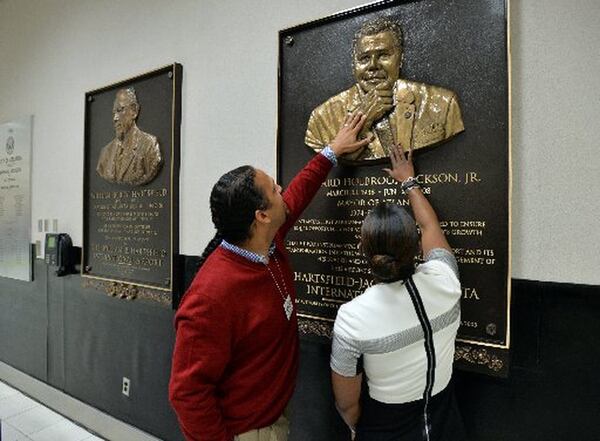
point(314, 416)
point(83, 342)
point(56, 338)
point(107, 339)
point(23, 322)
point(552, 392)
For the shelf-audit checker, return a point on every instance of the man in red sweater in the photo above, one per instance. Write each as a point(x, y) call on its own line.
point(236, 351)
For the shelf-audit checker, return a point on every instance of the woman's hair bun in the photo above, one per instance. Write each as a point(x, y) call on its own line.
point(384, 266)
point(390, 242)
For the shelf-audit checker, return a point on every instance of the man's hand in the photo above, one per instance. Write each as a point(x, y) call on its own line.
point(346, 139)
point(402, 165)
point(376, 104)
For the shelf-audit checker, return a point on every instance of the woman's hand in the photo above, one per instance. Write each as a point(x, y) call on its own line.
point(402, 165)
point(346, 139)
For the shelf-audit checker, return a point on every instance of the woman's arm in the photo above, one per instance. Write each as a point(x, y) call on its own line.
point(346, 391)
point(403, 171)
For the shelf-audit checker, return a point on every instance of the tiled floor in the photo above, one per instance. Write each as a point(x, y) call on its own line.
point(23, 419)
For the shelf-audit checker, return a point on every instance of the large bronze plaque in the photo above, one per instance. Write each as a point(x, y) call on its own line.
point(451, 102)
point(131, 183)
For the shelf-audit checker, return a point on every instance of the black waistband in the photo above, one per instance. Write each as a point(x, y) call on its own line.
point(383, 421)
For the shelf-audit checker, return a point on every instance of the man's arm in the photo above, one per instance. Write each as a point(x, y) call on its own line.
point(200, 356)
point(307, 182)
point(432, 235)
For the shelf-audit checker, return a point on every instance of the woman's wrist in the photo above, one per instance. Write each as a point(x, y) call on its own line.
point(409, 184)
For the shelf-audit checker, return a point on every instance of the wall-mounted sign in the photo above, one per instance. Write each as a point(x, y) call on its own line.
point(15, 198)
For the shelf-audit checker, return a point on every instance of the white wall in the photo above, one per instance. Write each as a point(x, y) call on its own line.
point(556, 140)
point(53, 51)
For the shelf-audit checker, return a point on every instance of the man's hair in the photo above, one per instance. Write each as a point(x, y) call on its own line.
point(129, 92)
point(376, 26)
point(234, 200)
point(390, 242)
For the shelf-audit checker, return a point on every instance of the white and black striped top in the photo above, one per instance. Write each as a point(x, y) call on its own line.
point(382, 326)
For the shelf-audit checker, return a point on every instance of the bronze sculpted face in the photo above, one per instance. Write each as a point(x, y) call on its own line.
point(377, 61)
point(125, 112)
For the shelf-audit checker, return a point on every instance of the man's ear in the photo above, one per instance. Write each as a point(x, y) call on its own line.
point(262, 217)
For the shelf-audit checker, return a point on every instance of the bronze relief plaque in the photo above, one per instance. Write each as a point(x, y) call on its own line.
point(131, 182)
point(442, 87)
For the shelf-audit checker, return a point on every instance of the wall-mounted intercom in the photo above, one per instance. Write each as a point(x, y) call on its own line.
point(59, 252)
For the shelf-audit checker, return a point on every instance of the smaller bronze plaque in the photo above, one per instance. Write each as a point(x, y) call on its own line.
point(131, 181)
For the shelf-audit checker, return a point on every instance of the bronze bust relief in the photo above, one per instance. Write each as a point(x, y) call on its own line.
point(133, 157)
point(398, 110)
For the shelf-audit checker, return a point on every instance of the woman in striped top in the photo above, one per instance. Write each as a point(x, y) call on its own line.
point(401, 331)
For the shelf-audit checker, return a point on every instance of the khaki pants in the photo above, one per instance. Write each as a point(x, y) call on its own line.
point(278, 431)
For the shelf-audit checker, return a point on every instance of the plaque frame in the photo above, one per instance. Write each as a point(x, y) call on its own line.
point(166, 291)
point(472, 354)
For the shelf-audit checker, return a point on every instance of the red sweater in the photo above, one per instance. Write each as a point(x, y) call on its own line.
point(236, 355)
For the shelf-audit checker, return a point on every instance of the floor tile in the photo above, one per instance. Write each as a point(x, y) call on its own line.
point(15, 404)
point(62, 431)
point(9, 433)
point(6, 390)
point(34, 420)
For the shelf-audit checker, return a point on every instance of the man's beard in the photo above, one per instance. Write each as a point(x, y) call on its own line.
point(122, 132)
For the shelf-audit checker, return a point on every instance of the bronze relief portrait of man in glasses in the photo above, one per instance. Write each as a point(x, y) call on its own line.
point(397, 110)
point(133, 157)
